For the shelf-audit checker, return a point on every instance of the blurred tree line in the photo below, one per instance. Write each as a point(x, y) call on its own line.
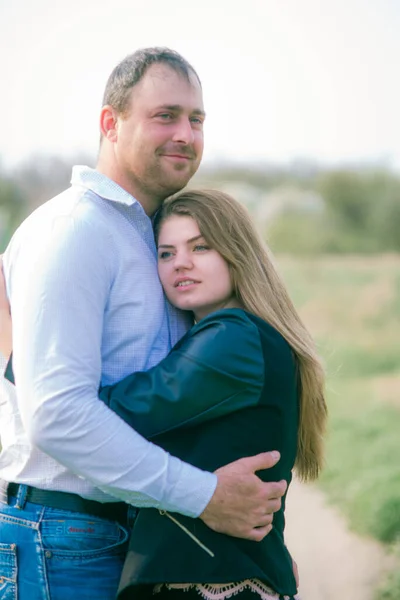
point(28, 185)
point(302, 208)
point(361, 214)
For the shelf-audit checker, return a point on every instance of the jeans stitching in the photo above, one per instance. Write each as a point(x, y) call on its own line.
point(11, 520)
point(42, 554)
point(12, 582)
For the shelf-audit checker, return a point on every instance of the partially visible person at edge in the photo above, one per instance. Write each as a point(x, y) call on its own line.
point(88, 309)
point(243, 380)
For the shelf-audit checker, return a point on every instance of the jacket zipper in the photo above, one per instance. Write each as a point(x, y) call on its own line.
point(189, 533)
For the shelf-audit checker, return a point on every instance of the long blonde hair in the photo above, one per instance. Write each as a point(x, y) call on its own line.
point(227, 227)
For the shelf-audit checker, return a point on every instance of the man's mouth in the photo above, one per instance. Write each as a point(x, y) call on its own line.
point(178, 156)
point(183, 153)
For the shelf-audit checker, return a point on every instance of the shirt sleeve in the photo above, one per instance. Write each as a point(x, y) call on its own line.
point(216, 369)
point(59, 283)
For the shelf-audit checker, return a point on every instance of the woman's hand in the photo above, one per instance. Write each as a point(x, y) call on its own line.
point(5, 317)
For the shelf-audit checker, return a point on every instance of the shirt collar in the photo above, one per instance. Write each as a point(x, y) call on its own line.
point(101, 185)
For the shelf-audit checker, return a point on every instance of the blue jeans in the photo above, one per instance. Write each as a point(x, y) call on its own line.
point(50, 554)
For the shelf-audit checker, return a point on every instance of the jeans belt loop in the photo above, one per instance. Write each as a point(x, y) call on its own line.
point(21, 496)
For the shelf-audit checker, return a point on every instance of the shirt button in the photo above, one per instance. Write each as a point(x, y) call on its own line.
point(48, 554)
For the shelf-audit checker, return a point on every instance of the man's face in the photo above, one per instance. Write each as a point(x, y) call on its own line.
point(159, 141)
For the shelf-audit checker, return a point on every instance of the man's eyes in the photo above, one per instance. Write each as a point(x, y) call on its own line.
point(171, 116)
point(197, 120)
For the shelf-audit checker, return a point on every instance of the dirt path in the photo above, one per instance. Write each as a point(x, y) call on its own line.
point(333, 562)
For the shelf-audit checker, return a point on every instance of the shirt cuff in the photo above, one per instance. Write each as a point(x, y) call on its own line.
point(192, 491)
point(187, 490)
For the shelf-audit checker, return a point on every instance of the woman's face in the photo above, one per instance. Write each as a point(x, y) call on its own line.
point(194, 275)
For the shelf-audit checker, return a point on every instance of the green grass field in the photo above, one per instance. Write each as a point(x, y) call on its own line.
point(352, 306)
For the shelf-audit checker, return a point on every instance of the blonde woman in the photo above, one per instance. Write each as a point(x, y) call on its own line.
point(245, 379)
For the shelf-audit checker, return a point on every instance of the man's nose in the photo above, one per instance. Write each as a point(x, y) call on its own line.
point(184, 132)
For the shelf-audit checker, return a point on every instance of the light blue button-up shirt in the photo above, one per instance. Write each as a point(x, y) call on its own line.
point(88, 308)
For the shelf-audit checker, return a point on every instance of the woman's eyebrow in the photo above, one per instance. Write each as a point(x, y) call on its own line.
point(193, 239)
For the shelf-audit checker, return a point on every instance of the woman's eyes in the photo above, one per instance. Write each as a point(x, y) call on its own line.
point(166, 254)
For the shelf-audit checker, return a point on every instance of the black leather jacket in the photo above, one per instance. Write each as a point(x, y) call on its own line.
point(228, 389)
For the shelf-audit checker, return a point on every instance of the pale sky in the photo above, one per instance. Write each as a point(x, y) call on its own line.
point(282, 79)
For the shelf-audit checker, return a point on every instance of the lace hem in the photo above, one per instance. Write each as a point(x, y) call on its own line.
point(222, 591)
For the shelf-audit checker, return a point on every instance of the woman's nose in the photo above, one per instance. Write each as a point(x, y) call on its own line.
point(183, 260)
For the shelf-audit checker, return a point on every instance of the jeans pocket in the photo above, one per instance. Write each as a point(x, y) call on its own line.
point(81, 537)
point(8, 571)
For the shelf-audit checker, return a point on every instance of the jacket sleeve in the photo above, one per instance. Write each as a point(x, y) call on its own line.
point(9, 373)
point(216, 369)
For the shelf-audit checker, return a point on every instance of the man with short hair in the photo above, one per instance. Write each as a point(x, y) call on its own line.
point(88, 309)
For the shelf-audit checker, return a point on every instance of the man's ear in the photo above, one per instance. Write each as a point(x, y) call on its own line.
point(108, 123)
